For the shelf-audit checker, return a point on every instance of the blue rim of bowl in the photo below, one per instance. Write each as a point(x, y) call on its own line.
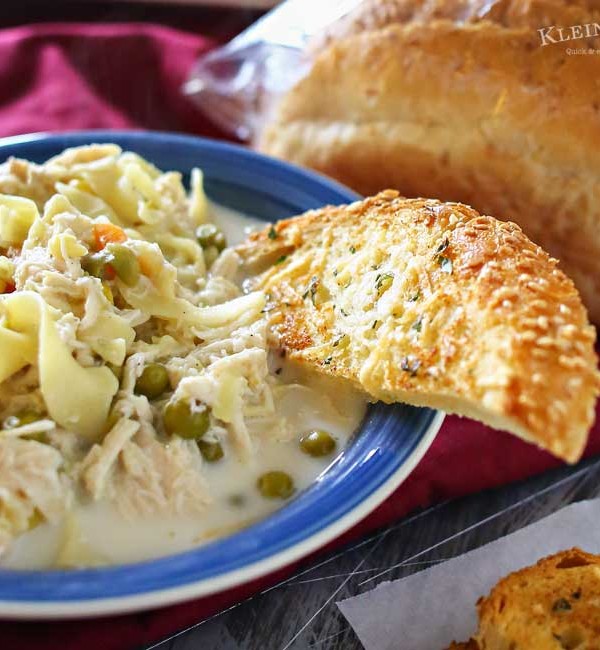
point(385, 449)
point(291, 185)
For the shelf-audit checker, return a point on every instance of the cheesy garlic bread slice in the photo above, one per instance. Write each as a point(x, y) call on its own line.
point(433, 304)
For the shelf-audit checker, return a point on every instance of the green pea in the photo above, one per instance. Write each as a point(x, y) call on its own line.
point(94, 264)
point(124, 262)
point(180, 420)
point(275, 485)
point(153, 381)
point(211, 451)
point(317, 443)
point(220, 241)
point(209, 235)
point(210, 256)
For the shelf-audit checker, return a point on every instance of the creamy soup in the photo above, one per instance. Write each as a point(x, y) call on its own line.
point(98, 533)
point(143, 408)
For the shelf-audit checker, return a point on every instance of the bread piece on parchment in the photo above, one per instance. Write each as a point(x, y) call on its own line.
point(432, 304)
point(553, 605)
point(471, 108)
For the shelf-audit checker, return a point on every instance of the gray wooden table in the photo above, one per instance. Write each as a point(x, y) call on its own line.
point(300, 613)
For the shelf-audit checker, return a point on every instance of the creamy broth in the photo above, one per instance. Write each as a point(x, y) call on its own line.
point(235, 225)
point(98, 534)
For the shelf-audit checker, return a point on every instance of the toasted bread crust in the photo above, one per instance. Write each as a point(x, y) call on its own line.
point(554, 604)
point(471, 644)
point(471, 109)
point(433, 304)
point(371, 15)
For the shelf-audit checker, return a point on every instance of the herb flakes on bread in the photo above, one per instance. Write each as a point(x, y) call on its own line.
point(432, 304)
point(461, 100)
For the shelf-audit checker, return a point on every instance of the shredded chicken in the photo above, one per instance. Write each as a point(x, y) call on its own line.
point(157, 478)
point(31, 485)
point(99, 462)
point(72, 369)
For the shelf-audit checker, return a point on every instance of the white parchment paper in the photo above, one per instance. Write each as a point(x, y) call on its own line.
point(428, 610)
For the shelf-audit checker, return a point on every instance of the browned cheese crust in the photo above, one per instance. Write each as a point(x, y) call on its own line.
point(433, 304)
point(475, 111)
point(553, 605)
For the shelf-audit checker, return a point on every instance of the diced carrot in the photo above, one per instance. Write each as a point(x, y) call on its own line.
point(109, 272)
point(107, 233)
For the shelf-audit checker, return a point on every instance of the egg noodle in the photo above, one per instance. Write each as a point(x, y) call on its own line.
point(124, 337)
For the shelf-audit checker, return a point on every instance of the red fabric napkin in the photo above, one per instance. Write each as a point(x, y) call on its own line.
point(66, 77)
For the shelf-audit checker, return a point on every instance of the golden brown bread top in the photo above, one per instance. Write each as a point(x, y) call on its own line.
point(553, 605)
point(372, 15)
point(522, 97)
point(433, 304)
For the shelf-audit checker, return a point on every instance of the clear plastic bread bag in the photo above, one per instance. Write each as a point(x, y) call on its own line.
point(237, 84)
